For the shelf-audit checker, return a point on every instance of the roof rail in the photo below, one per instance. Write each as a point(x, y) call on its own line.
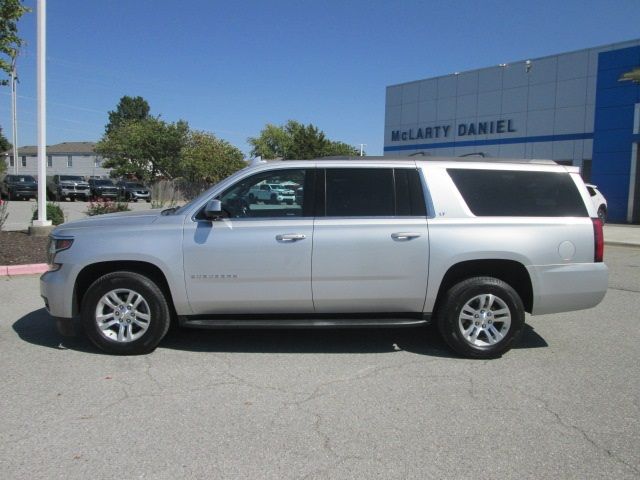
point(473, 158)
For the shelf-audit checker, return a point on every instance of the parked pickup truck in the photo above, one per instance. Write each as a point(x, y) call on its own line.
point(468, 245)
point(61, 187)
point(271, 193)
point(103, 188)
point(19, 187)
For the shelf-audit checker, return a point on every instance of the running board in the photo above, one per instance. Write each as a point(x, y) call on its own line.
point(245, 321)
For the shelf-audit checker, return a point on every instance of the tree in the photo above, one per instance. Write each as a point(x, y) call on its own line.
point(128, 109)
point(206, 157)
point(273, 141)
point(145, 148)
point(5, 145)
point(296, 141)
point(10, 42)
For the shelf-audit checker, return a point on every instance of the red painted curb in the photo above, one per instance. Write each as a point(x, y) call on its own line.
point(31, 269)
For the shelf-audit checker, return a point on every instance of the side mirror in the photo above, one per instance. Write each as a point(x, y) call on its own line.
point(213, 209)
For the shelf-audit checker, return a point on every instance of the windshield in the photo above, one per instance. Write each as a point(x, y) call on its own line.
point(71, 178)
point(135, 185)
point(21, 178)
point(102, 182)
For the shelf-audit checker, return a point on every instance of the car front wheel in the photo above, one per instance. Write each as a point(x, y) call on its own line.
point(481, 317)
point(125, 313)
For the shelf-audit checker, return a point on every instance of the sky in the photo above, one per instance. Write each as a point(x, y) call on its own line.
point(231, 67)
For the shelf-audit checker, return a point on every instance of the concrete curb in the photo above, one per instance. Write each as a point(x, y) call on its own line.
point(32, 269)
point(615, 243)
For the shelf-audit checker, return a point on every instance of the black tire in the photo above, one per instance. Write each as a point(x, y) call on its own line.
point(468, 294)
point(602, 214)
point(154, 305)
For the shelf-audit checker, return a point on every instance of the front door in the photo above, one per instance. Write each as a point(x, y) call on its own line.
point(257, 259)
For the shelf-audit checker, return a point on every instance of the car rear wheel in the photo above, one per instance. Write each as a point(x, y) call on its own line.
point(481, 317)
point(125, 313)
point(602, 214)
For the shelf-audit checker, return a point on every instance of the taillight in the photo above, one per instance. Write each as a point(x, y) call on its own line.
point(598, 240)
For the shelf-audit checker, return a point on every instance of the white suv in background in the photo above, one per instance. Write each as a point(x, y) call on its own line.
point(598, 200)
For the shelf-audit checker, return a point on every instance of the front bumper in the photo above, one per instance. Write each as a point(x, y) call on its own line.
point(105, 194)
point(56, 289)
point(24, 193)
point(68, 192)
point(140, 196)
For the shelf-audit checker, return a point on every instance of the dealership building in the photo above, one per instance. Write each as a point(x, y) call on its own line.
point(576, 108)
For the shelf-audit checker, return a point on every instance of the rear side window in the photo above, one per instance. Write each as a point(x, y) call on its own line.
point(373, 192)
point(359, 192)
point(502, 193)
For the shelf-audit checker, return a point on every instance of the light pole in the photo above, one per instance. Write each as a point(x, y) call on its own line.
point(14, 113)
point(42, 116)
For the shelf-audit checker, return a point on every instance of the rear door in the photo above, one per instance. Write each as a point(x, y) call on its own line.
point(371, 241)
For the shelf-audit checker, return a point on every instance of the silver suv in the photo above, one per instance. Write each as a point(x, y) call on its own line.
point(470, 245)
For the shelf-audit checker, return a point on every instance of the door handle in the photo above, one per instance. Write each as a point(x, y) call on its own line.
point(404, 236)
point(290, 237)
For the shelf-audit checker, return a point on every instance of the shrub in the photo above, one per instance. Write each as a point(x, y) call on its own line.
point(54, 213)
point(100, 207)
point(4, 214)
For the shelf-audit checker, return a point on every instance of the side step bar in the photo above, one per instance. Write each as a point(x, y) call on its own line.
point(257, 321)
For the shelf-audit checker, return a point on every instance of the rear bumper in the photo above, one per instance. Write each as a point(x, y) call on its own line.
point(564, 288)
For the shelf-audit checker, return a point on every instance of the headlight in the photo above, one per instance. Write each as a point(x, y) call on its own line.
point(57, 245)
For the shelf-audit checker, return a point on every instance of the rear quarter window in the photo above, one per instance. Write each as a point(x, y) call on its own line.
point(510, 193)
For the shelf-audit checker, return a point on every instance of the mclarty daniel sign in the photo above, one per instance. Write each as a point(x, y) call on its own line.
point(462, 129)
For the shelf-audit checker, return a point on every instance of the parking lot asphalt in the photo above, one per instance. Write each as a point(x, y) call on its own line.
point(388, 403)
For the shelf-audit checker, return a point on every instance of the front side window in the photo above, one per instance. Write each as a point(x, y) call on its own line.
point(255, 197)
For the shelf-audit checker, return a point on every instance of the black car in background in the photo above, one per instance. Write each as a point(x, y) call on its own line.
point(133, 191)
point(16, 187)
point(103, 188)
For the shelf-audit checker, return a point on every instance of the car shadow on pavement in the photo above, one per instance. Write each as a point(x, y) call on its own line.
point(420, 340)
point(38, 328)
